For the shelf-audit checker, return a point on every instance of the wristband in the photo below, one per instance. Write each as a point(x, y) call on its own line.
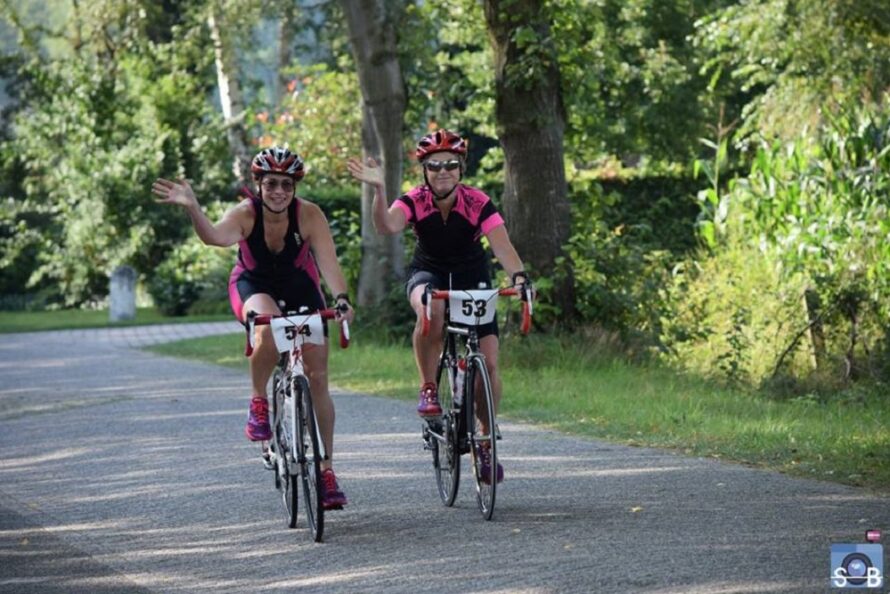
point(344, 297)
point(521, 273)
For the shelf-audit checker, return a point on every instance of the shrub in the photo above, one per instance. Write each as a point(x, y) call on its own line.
point(191, 272)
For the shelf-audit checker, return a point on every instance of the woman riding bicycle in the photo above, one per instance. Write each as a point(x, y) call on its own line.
point(449, 220)
point(284, 242)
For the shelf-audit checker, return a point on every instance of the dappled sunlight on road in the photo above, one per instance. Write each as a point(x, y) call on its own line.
point(621, 471)
point(30, 461)
point(142, 466)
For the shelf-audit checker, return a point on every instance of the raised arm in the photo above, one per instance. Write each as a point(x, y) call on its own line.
point(387, 221)
point(230, 229)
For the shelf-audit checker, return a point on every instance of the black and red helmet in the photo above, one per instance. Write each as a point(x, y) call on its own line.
point(441, 141)
point(278, 160)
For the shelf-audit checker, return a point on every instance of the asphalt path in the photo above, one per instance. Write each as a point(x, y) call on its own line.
point(125, 471)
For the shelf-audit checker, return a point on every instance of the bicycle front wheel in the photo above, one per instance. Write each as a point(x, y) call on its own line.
point(483, 444)
point(309, 443)
point(287, 471)
point(444, 436)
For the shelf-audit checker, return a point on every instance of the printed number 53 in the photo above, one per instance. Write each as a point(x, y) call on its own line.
point(467, 307)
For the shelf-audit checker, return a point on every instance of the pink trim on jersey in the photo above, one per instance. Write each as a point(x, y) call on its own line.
point(491, 222)
point(469, 204)
point(234, 296)
point(406, 209)
point(305, 260)
point(422, 199)
point(246, 255)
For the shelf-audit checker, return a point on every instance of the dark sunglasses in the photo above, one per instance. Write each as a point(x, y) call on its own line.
point(450, 165)
point(270, 185)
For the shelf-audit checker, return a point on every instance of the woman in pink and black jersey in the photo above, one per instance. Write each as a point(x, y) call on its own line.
point(284, 249)
point(449, 220)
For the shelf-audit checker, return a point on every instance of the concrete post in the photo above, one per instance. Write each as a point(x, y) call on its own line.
point(122, 297)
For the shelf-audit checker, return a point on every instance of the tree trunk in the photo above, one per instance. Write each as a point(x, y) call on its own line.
point(373, 40)
point(230, 95)
point(531, 122)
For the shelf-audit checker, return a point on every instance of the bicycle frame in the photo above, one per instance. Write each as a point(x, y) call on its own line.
point(299, 453)
point(290, 332)
point(457, 432)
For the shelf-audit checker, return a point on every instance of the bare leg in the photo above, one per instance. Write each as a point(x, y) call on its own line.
point(427, 348)
point(489, 346)
point(315, 359)
point(265, 356)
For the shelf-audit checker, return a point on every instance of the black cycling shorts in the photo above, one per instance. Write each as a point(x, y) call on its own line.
point(291, 293)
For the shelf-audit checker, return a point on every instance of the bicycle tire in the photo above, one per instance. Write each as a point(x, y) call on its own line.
point(277, 434)
point(444, 435)
point(287, 458)
point(308, 440)
point(486, 485)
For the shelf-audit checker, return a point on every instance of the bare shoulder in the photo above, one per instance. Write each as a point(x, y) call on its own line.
point(242, 214)
point(312, 218)
point(311, 213)
point(243, 208)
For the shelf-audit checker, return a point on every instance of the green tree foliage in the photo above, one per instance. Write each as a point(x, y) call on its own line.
point(781, 62)
point(810, 214)
point(632, 89)
point(320, 119)
point(98, 124)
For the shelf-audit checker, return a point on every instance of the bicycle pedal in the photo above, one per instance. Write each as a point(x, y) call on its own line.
point(268, 464)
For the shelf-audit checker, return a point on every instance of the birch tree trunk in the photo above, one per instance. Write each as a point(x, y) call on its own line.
point(286, 31)
point(373, 39)
point(531, 122)
point(230, 94)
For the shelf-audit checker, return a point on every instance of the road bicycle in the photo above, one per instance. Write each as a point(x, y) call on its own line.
point(468, 397)
point(296, 450)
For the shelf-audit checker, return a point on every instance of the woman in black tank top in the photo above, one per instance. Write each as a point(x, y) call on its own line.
point(285, 248)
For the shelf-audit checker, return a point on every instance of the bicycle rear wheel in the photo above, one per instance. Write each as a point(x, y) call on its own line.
point(443, 435)
point(286, 467)
point(479, 392)
point(308, 441)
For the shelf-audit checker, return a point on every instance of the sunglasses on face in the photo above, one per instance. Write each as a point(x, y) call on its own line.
point(270, 185)
point(450, 165)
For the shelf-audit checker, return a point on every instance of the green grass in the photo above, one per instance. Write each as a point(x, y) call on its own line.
point(569, 386)
point(27, 321)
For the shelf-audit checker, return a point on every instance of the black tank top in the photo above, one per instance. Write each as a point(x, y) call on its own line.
point(254, 255)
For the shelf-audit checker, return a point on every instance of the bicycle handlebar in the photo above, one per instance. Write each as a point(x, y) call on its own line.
point(523, 292)
point(255, 319)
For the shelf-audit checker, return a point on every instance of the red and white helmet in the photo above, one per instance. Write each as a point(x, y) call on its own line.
point(278, 160)
point(441, 141)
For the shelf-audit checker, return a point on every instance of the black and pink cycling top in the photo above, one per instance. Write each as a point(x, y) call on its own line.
point(295, 258)
point(449, 245)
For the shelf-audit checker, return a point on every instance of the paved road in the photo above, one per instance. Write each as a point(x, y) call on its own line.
point(125, 471)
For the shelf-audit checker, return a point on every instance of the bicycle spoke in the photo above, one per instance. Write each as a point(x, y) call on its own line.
point(443, 434)
point(484, 448)
point(310, 457)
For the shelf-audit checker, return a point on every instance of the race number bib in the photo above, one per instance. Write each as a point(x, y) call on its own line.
point(297, 330)
point(473, 308)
